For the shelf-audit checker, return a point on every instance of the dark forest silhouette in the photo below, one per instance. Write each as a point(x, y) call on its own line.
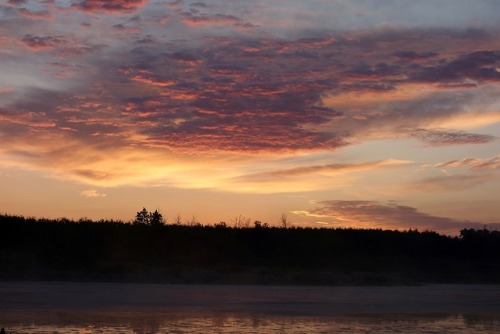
point(148, 250)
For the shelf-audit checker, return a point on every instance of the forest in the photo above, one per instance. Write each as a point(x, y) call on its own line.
point(149, 250)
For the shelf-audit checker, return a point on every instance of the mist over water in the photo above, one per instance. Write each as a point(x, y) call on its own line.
point(138, 308)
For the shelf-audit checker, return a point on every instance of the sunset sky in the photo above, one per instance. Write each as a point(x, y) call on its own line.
point(340, 113)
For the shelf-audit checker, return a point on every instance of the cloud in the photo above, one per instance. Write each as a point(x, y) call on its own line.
point(235, 107)
point(91, 193)
point(5, 90)
point(456, 182)
point(16, 2)
point(269, 95)
point(409, 55)
point(373, 214)
point(111, 6)
point(480, 65)
point(459, 175)
point(43, 14)
point(439, 137)
point(436, 116)
point(474, 163)
point(330, 169)
point(213, 19)
point(36, 42)
point(126, 86)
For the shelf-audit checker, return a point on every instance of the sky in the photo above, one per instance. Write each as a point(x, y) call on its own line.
point(337, 113)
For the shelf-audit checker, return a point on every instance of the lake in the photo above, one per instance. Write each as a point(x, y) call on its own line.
point(28, 307)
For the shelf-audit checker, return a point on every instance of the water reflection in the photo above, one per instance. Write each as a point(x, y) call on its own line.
point(430, 323)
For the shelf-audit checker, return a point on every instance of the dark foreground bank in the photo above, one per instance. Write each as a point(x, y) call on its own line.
point(110, 251)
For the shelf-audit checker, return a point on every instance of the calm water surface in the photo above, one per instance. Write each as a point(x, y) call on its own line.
point(135, 308)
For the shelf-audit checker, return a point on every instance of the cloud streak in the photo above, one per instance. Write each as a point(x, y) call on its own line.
point(91, 193)
point(474, 163)
point(330, 169)
point(110, 6)
point(36, 43)
point(373, 214)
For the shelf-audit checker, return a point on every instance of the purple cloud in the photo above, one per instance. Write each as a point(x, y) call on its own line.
point(408, 55)
point(266, 95)
point(36, 43)
point(480, 65)
point(374, 214)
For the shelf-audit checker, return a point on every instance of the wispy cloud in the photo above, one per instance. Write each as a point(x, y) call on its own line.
point(453, 182)
point(373, 214)
point(330, 169)
point(91, 193)
point(42, 42)
point(214, 19)
point(459, 175)
point(439, 137)
point(41, 14)
point(111, 6)
point(475, 163)
point(16, 2)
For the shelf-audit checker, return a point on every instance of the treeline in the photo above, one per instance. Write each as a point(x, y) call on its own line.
point(86, 250)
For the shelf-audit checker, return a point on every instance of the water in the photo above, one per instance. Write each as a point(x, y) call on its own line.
point(221, 324)
point(135, 308)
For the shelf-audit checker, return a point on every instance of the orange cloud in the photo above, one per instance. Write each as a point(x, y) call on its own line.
point(92, 193)
point(475, 163)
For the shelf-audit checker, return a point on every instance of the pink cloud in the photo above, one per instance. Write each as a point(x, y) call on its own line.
point(4, 90)
point(16, 2)
point(258, 95)
point(110, 5)
point(35, 15)
point(214, 19)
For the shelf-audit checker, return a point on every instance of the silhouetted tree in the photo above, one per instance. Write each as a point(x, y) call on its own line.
point(178, 220)
point(284, 220)
point(241, 222)
point(259, 224)
point(221, 224)
point(156, 219)
point(142, 217)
